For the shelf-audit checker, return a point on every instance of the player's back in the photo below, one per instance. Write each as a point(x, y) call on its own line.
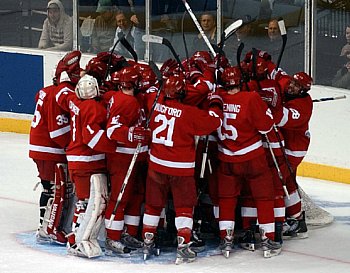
point(245, 117)
point(174, 126)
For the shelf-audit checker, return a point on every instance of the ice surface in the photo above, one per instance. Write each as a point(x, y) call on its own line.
point(326, 250)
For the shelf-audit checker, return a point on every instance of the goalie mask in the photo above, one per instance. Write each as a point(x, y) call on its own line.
point(87, 88)
point(68, 68)
point(174, 87)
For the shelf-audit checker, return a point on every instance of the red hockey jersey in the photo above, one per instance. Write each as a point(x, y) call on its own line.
point(124, 112)
point(174, 126)
point(246, 116)
point(295, 127)
point(89, 141)
point(271, 94)
point(49, 132)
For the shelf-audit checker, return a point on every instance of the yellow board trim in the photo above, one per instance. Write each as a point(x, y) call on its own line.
point(324, 172)
point(21, 126)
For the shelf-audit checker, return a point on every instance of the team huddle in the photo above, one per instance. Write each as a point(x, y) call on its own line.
point(130, 156)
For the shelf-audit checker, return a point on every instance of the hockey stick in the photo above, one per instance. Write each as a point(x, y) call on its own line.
point(195, 21)
point(184, 37)
point(160, 40)
point(129, 48)
point(205, 158)
point(138, 147)
point(245, 77)
point(330, 98)
point(121, 36)
point(231, 29)
point(280, 176)
point(284, 41)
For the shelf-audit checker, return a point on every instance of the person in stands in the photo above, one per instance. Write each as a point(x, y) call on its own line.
point(57, 33)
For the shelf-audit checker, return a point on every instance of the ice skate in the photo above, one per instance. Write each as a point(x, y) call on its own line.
point(149, 248)
point(131, 242)
point(42, 237)
point(226, 245)
point(295, 228)
point(248, 241)
point(116, 248)
point(198, 244)
point(270, 248)
point(184, 253)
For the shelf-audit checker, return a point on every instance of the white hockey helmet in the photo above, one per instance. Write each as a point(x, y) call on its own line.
point(87, 88)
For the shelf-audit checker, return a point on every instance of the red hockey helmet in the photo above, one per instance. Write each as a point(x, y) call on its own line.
point(148, 79)
point(115, 79)
point(96, 68)
point(261, 68)
point(174, 86)
point(203, 56)
point(304, 80)
point(129, 77)
point(115, 61)
point(68, 68)
point(231, 77)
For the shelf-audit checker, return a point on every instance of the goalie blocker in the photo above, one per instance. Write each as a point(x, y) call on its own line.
point(59, 210)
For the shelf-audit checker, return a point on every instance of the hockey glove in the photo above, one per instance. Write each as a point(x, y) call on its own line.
point(139, 134)
point(215, 100)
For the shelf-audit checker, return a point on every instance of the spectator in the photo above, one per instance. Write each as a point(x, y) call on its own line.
point(273, 30)
point(125, 27)
point(57, 31)
point(208, 24)
point(104, 27)
point(347, 37)
point(342, 77)
point(273, 42)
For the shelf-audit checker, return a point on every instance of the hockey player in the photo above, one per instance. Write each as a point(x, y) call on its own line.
point(243, 162)
point(86, 163)
point(125, 126)
point(297, 111)
point(49, 135)
point(172, 161)
point(269, 91)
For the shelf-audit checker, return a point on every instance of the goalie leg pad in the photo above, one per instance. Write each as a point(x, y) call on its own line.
point(87, 233)
point(69, 201)
point(61, 212)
